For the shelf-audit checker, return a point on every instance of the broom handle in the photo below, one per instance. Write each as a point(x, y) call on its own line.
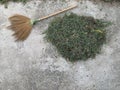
point(56, 13)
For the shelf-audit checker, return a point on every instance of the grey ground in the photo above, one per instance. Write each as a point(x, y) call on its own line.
point(35, 63)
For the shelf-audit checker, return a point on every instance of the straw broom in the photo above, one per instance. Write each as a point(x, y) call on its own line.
point(22, 25)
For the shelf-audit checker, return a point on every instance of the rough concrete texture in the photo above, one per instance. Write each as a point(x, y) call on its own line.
point(35, 63)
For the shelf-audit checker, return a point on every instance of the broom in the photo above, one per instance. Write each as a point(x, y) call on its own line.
point(22, 25)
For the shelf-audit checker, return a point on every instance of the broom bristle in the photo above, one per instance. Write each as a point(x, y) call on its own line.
point(21, 25)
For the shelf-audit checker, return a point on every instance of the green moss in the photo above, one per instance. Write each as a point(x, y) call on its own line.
point(6, 1)
point(77, 37)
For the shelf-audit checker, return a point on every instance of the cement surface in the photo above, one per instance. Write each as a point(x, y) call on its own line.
point(35, 64)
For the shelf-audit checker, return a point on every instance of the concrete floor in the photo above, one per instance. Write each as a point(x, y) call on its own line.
point(35, 65)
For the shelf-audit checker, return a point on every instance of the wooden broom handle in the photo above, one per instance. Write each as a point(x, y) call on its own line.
point(71, 7)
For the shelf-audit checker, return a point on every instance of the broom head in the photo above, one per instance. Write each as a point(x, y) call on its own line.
point(21, 25)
